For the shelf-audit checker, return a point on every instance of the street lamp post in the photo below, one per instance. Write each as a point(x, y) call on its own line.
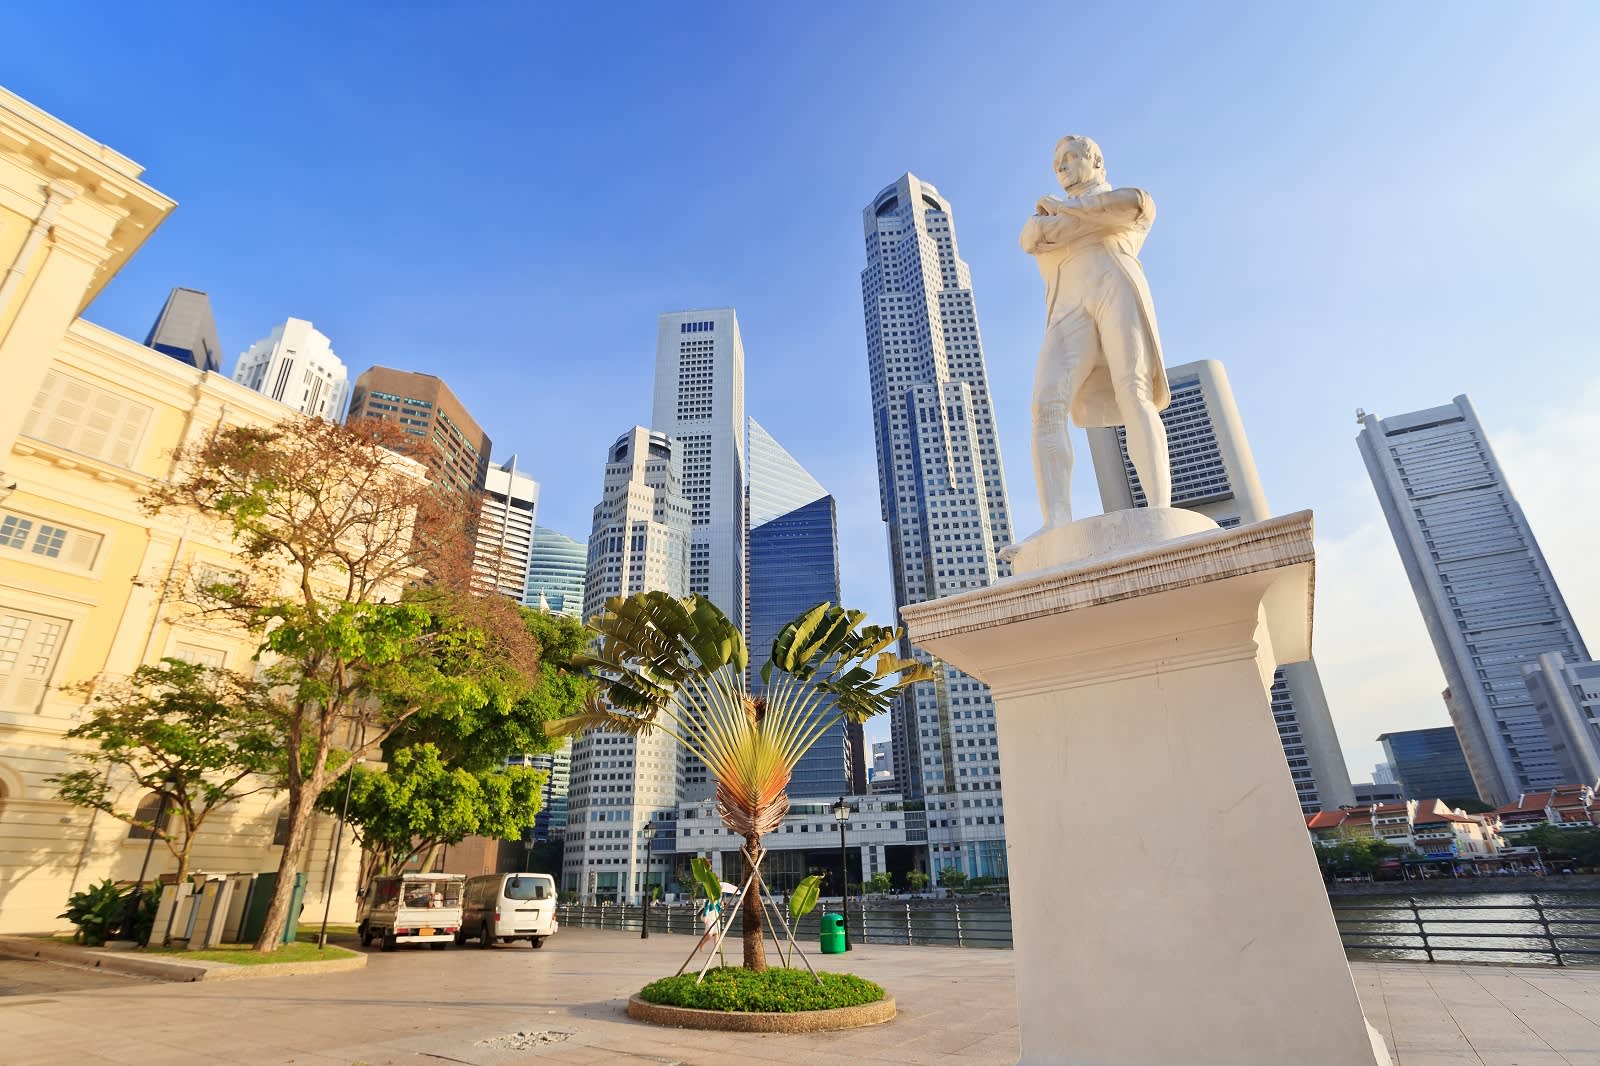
point(841, 814)
point(649, 860)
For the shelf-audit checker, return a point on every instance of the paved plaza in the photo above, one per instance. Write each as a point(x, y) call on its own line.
point(563, 1004)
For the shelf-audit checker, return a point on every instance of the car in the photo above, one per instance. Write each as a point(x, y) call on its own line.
point(509, 907)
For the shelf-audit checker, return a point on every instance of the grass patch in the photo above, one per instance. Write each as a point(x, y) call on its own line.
point(240, 954)
point(731, 988)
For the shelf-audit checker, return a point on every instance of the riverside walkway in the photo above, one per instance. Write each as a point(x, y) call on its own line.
point(511, 1005)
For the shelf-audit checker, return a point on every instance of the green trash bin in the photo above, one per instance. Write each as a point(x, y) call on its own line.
point(832, 934)
point(261, 896)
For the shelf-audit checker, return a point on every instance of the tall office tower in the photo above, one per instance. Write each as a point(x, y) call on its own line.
point(503, 536)
point(1429, 764)
point(1486, 593)
point(943, 496)
point(639, 543)
point(1567, 698)
point(449, 441)
point(1214, 473)
point(186, 330)
point(556, 567)
point(295, 365)
point(550, 824)
point(699, 402)
point(794, 565)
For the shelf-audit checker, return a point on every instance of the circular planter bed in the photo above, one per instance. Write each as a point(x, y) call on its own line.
point(773, 1001)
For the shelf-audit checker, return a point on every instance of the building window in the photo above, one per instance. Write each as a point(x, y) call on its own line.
point(29, 647)
point(75, 547)
point(146, 813)
point(280, 831)
point(87, 419)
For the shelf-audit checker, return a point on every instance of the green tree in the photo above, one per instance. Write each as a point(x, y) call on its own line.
point(879, 883)
point(916, 880)
point(354, 578)
point(952, 877)
point(1581, 846)
point(680, 666)
point(197, 738)
point(446, 776)
point(1353, 854)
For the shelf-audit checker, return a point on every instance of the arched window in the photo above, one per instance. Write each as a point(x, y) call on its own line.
point(148, 811)
point(280, 832)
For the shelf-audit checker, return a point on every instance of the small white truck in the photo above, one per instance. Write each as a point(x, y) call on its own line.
point(411, 909)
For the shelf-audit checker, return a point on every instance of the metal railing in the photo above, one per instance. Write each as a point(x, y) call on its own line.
point(947, 923)
point(1540, 929)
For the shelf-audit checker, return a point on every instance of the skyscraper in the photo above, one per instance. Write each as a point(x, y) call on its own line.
point(1567, 699)
point(186, 330)
point(550, 824)
point(639, 543)
point(448, 440)
point(1214, 473)
point(1429, 764)
point(295, 365)
point(1486, 593)
point(556, 569)
point(943, 497)
point(503, 536)
point(794, 565)
point(699, 402)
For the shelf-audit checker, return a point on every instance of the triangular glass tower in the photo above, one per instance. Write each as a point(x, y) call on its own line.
point(794, 565)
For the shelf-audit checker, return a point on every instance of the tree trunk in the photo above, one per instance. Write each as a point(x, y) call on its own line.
point(755, 949)
point(300, 811)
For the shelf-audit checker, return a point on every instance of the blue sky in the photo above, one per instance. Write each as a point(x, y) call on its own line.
point(1359, 205)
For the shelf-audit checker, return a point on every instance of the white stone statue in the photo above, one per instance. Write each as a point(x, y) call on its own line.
point(1101, 359)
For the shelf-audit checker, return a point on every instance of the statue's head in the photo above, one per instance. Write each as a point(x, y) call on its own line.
point(1078, 161)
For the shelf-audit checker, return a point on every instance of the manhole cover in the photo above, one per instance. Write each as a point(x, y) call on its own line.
point(528, 1041)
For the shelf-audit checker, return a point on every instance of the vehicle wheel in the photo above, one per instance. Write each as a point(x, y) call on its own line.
point(485, 935)
point(389, 942)
point(537, 942)
point(438, 946)
point(461, 938)
point(366, 935)
point(508, 939)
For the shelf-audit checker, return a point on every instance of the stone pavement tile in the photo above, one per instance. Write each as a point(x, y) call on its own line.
point(1437, 1058)
point(1564, 1030)
point(1523, 1058)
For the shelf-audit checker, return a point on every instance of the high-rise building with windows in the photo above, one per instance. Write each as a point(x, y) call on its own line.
point(1567, 699)
point(794, 565)
point(503, 535)
point(1429, 765)
point(550, 824)
point(295, 365)
point(943, 497)
point(449, 441)
point(186, 330)
point(699, 402)
point(639, 543)
point(1486, 593)
point(1214, 473)
point(556, 569)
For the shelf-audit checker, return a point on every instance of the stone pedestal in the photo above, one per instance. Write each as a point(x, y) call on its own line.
point(1166, 903)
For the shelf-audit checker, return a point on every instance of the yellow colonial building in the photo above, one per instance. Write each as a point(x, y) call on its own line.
point(89, 582)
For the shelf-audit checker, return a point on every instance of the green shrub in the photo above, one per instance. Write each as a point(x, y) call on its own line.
point(735, 989)
point(96, 911)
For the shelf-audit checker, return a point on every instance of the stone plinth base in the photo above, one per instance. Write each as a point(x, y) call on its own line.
point(1167, 905)
point(1103, 536)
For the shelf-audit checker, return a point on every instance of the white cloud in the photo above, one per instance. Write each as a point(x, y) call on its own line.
point(1378, 665)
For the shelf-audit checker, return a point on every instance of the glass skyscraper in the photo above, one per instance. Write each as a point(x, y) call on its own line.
point(186, 330)
point(556, 568)
point(794, 565)
point(943, 498)
point(1486, 593)
point(1429, 764)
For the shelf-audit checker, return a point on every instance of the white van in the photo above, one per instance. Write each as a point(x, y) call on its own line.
point(508, 907)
